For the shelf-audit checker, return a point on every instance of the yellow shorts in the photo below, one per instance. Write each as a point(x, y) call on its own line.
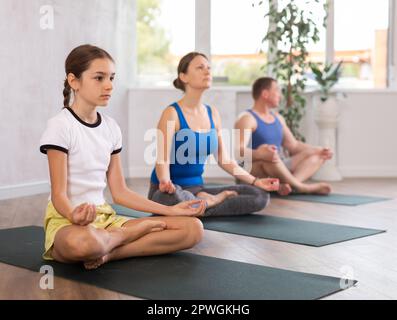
point(53, 222)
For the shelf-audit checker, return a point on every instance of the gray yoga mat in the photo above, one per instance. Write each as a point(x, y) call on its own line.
point(275, 228)
point(333, 198)
point(174, 276)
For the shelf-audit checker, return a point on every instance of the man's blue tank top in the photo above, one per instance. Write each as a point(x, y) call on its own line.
point(267, 133)
point(190, 150)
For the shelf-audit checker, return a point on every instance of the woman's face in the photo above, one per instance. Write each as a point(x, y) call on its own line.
point(95, 85)
point(198, 75)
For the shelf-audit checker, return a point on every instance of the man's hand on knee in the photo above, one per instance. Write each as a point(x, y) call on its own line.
point(269, 153)
point(325, 153)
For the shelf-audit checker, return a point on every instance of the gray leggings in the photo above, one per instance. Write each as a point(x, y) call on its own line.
point(250, 199)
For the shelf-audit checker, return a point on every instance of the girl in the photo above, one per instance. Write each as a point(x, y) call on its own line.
point(189, 125)
point(83, 149)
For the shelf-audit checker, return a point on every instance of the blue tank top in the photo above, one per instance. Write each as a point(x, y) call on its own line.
point(267, 133)
point(189, 151)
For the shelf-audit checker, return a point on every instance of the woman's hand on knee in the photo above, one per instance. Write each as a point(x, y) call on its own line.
point(192, 208)
point(83, 214)
point(167, 187)
point(268, 184)
point(269, 153)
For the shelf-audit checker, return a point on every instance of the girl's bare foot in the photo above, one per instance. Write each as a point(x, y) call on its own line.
point(127, 235)
point(94, 264)
point(132, 233)
point(214, 199)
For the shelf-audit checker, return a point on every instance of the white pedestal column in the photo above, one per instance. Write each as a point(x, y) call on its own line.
point(326, 118)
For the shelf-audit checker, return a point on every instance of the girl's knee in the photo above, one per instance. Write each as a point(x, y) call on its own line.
point(194, 231)
point(197, 230)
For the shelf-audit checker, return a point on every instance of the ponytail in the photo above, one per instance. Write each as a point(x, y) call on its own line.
point(179, 84)
point(66, 94)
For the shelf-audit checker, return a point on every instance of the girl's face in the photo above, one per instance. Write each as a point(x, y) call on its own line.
point(198, 75)
point(272, 95)
point(95, 85)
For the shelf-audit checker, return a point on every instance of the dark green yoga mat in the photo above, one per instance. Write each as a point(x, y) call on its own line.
point(275, 228)
point(175, 276)
point(333, 198)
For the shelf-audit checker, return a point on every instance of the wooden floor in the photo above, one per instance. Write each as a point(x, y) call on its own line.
point(373, 260)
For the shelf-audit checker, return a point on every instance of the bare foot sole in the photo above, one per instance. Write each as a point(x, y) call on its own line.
point(126, 235)
point(284, 190)
point(213, 200)
point(140, 229)
point(94, 264)
point(230, 193)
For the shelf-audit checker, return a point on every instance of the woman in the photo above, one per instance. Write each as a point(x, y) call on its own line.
point(189, 132)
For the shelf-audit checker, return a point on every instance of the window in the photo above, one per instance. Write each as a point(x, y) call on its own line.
point(165, 32)
point(317, 50)
point(361, 28)
point(237, 29)
point(316, 12)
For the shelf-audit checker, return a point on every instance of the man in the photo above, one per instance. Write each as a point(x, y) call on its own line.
point(271, 139)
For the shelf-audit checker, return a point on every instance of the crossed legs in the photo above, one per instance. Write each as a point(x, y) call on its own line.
point(303, 166)
point(137, 237)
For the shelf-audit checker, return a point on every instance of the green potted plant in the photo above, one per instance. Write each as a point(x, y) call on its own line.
point(326, 77)
point(327, 116)
point(291, 29)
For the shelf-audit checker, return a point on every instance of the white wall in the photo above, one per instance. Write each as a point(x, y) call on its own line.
point(367, 133)
point(32, 74)
point(365, 137)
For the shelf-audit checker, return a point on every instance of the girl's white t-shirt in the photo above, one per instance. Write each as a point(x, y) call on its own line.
point(89, 148)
